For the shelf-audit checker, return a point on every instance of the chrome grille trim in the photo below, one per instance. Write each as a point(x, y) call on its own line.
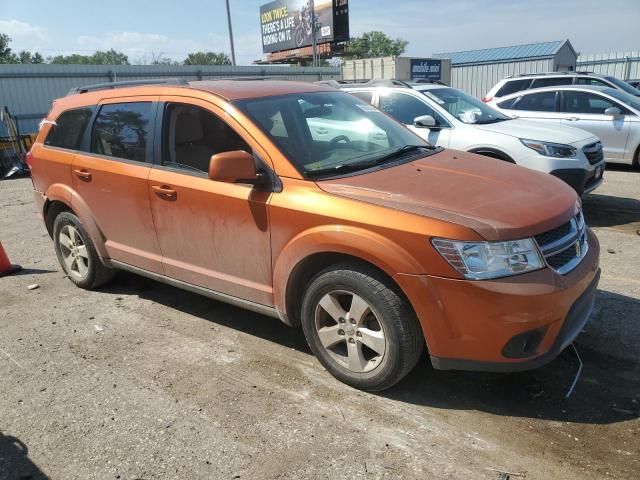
point(575, 239)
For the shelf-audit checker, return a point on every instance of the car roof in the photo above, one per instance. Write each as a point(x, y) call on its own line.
point(244, 89)
point(553, 74)
point(409, 86)
point(227, 89)
point(530, 91)
point(428, 86)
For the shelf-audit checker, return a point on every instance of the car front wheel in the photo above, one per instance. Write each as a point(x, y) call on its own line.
point(360, 327)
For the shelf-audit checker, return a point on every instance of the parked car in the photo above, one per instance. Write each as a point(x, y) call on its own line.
point(447, 117)
point(372, 240)
point(527, 81)
point(612, 115)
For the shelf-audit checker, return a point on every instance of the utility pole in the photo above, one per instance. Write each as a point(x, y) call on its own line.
point(233, 53)
point(313, 34)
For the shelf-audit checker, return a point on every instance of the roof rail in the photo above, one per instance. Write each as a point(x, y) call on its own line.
point(542, 74)
point(427, 80)
point(128, 83)
point(379, 82)
point(331, 83)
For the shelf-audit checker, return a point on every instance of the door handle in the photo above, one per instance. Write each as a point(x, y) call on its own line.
point(83, 175)
point(322, 131)
point(165, 192)
point(572, 119)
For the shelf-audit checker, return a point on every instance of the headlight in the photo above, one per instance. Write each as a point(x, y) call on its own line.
point(483, 260)
point(550, 149)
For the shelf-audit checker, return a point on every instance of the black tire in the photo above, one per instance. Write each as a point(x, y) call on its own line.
point(404, 339)
point(96, 273)
point(636, 159)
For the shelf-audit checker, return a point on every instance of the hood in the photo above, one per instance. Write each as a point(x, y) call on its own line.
point(532, 130)
point(498, 200)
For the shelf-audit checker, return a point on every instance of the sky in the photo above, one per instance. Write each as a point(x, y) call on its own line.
point(147, 29)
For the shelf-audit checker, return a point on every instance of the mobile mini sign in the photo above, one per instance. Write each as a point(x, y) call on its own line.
point(287, 24)
point(422, 69)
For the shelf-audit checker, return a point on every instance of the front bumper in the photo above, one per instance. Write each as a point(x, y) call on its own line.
point(472, 325)
point(581, 180)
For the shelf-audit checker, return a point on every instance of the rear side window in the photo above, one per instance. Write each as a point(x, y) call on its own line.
point(513, 86)
point(537, 102)
point(69, 128)
point(591, 81)
point(121, 130)
point(551, 82)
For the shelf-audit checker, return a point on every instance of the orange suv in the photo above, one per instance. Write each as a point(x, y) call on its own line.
point(307, 204)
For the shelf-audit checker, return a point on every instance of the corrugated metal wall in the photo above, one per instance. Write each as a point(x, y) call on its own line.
point(477, 79)
point(28, 90)
point(366, 69)
point(623, 65)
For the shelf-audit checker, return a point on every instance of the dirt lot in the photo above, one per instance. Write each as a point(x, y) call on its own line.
point(144, 381)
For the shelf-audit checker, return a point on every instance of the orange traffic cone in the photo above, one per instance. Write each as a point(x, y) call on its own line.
point(6, 267)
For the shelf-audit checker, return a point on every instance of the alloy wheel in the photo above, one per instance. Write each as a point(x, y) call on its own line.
point(74, 252)
point(350, 331)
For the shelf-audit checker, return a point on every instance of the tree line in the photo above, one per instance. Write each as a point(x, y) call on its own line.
point(368, 45)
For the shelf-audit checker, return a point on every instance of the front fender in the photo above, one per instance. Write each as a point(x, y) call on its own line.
point(68, 196)
point(348, 240)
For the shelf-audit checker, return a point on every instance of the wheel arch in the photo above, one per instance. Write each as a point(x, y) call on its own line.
point(492, 153)
point(60, 198)
point(313, 251)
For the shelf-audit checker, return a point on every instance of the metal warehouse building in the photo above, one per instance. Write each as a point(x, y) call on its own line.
point(476, 71)
point(28, 90)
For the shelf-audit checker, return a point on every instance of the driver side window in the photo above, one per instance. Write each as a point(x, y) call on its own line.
point(191, 135)
point(406, 108)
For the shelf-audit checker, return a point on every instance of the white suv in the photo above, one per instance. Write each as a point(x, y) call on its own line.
point(612, 115)
point(517, 83)
point(450, 118)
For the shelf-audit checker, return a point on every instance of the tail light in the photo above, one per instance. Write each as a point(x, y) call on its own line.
point(487, 99)
point(29, 159)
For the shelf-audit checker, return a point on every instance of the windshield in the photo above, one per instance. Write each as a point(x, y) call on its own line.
point(625, 98)
point(324, 132)
point(624, 86)
point(464, 107)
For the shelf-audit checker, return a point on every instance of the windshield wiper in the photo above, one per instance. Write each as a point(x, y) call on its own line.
point(353, 167)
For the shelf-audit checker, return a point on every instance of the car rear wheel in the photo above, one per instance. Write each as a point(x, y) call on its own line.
point(360, 327)
point(77, 254)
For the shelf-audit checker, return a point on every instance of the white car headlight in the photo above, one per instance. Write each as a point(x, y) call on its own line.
point(558, 150)
point(483, 260)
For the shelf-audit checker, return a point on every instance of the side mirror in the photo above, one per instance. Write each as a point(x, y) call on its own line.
point(237, 166)
point(613, 112)
point(424, 121)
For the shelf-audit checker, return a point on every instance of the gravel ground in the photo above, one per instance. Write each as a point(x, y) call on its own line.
point(143, 381)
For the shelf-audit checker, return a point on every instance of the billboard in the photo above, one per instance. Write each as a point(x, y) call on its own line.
point(426, 69)
point(287, 25)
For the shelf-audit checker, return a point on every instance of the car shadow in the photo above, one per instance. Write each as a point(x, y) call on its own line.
point(609, 211)
point(622, 167)
point(33, 271)
point(15, 462)
point(604, 394)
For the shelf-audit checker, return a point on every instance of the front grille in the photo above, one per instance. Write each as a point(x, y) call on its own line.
point(564, 247)
point(553, 235)
point(593, 152)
